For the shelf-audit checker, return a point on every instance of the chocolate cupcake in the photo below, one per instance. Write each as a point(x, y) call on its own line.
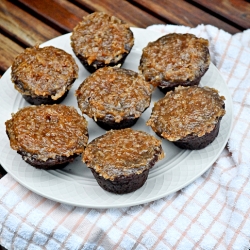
point(175, 60)
point(115, 98)
point(188, 116)
point(47, 136)
point(44, 75)
point(101, 40)
point(120, 159)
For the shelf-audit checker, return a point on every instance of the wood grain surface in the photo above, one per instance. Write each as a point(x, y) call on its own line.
point(22, 26)
point(56, 13)
point(124, 10)
point(24, 23)
point(8, 50)
point(184, 13)
point(237, 11)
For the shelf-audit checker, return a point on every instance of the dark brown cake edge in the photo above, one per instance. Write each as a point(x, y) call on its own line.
point(58, 162)
point(38, 100)
point(91, 68)
point(109, 123)
point(126, 184)
point(166, 86)
point(123, 184)
point(194, 142)
point(169, 86)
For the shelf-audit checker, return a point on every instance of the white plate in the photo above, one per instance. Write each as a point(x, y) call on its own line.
point(75, 184)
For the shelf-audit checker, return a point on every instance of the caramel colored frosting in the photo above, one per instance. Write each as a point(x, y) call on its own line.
point(101, 37)
point(48, 131)
point(187, 111)
point(115, 92)
point(47, 71)
point(122, 152)
point(175, 58)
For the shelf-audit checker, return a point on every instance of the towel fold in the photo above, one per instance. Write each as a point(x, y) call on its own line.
point(210, 213)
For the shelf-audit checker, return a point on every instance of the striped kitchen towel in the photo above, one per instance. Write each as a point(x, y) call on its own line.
point(213, 212)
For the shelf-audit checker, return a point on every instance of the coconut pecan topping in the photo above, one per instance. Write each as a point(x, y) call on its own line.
point(47, 71)
point(174, 58)
point(187, 111)
point(48, 131)
point(115, 92)
point(101, 37)
point(122, 152)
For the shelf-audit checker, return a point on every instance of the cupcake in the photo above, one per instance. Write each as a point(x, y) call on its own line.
point(120, 159)
point(188, 116)
point(175, 60)
point(44, 75)
point(115, 98)
point(47, 136)
point(101, 40)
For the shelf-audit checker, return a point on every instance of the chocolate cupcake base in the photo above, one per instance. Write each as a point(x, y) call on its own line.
point(109, 123)
point(194, 142)
point(58, 162)
point(127, 184)
point(38, 100)
point(122, 184)
point(169, 86)
point(91, 68)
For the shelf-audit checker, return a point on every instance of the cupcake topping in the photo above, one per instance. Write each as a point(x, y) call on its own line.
point(122, 152)
point(101, 37)
point(187, 111)
point(48, 131)
point(174, 58)
point(47, 71)
point(115, 92)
